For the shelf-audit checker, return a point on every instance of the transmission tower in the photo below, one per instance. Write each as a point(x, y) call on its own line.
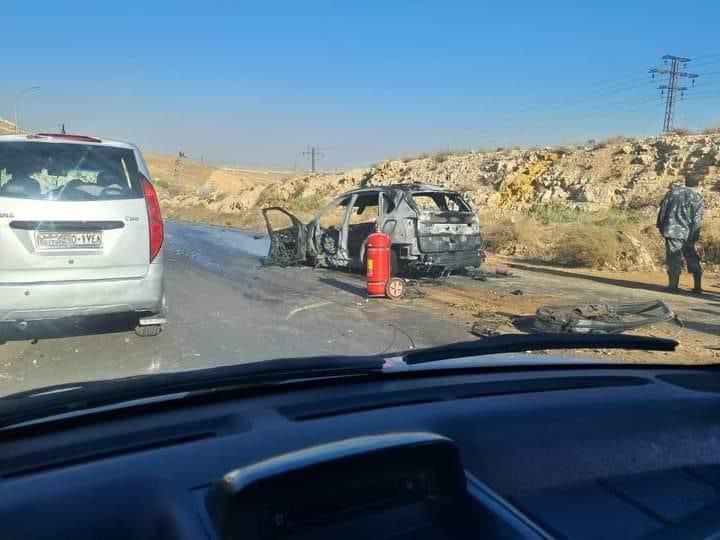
point(671, 89)
point(315, 155)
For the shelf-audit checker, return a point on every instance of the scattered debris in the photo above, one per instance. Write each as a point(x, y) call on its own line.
point(600, 318)
point(480, 330)
point(482, 275)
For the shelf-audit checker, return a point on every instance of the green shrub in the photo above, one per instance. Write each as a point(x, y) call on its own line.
point(617, 218)
point(562, 150)
point(440, 157)
point(680, 131)
point(547, 213)
point(312, 202)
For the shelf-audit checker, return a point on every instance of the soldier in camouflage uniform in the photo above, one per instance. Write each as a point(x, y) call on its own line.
point(679, 221)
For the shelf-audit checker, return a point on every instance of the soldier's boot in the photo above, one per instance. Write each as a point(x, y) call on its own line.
point(673, 282)
point(697, 278)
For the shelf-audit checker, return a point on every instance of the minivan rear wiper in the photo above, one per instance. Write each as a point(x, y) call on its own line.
point(516, 343)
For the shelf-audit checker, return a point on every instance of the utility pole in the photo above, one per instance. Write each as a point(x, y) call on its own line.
point(315, 155)
point(671, 89)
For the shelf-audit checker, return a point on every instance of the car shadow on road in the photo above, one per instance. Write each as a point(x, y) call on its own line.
point(70, 327)
point(707, 311)
point(345, 286)
point(702, 327)
point(653, 287)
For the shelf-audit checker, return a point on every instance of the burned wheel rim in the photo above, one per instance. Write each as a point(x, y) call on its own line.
point(395, 288)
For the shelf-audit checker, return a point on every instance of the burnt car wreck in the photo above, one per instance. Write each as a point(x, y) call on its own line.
point(432, 230)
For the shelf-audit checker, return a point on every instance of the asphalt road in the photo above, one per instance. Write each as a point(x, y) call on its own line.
point(225, 307)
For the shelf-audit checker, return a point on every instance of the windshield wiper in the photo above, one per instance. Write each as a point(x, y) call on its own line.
point(84, 396)
point(516, 343)
point(65, 398)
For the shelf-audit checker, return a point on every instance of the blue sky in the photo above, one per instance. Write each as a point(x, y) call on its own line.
point(255, 83)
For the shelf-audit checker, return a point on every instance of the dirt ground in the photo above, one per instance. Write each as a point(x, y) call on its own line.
point(506, 304)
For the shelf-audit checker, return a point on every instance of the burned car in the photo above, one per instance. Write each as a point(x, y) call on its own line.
point(432, 230)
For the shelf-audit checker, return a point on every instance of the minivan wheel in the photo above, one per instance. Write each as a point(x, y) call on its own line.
point(148, 331)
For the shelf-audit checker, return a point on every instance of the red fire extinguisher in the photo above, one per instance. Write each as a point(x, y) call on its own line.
point(379, 280)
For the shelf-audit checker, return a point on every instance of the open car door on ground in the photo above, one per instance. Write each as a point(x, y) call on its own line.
point(288, 237)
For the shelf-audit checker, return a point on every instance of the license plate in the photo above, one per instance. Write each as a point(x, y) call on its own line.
point(45, 241)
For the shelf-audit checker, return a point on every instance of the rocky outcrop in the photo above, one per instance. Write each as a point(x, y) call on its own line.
point(620, 172)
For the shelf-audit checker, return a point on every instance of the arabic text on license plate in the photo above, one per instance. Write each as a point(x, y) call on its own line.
point(69, 240)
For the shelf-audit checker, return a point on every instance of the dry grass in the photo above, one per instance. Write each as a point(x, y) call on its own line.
point(710, 241)
point(567, 237)
point(250, 221)
point(499, 236)
point(194, 174)
point(587, 245)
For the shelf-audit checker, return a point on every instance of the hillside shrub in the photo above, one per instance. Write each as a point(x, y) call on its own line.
point(586, 245)
point(547, 213)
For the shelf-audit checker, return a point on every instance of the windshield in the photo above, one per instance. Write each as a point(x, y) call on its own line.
point(183, 189)
point(53, 171)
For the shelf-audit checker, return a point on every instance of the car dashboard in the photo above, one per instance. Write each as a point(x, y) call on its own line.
point(553, 452)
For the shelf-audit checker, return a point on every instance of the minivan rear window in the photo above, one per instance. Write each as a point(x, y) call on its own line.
point(68, 172)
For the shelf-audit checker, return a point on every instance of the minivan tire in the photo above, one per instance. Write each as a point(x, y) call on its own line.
point(148, 331)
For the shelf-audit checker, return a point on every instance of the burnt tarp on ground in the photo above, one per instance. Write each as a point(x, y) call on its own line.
point(600, 318)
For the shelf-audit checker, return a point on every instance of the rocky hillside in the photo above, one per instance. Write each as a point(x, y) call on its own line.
point(6, 127)
point(617, 173)
point(582, 206)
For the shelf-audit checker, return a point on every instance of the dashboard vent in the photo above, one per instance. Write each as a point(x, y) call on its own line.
point(111, 445)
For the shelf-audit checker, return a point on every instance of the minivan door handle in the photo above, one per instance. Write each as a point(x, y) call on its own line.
point(66, 226)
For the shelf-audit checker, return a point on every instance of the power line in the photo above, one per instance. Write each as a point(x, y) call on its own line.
point(315, 155)
point(712, 63)
point(702, 97)
point(713, 55)
point(708, 92)
point(671, 89)
point(535, 102)
point(621, 107)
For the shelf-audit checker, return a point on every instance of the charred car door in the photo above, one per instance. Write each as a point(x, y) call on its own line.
point(363, 219)
point(288, 237)
point(328, 234)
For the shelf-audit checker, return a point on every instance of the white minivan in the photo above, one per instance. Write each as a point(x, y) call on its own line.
point(80, 231)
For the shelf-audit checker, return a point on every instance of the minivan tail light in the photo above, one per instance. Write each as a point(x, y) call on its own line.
point(155, 221)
